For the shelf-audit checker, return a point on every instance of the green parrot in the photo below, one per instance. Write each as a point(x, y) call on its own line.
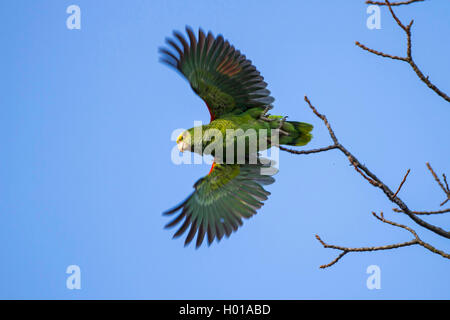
point(236, 96)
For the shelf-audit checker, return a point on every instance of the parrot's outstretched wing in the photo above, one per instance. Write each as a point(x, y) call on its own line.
point(221, 199)
point(217, 72)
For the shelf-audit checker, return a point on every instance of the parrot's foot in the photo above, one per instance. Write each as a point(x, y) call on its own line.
point(263, 116)
point(282, 121)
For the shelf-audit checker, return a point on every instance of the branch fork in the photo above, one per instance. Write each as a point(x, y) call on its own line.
point(409, 59)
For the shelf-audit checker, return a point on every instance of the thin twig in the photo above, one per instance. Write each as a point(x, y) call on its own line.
point(379, 53)
point(448, 189)
point(355, 165)
point(378, 3)
point(436, 178)
point(446, 183)
point(401, 184)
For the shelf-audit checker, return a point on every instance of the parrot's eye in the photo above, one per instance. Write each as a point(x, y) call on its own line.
point(180, 138)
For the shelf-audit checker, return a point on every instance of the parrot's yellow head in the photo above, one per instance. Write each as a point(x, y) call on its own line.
point(192, 140)
point(184, 141)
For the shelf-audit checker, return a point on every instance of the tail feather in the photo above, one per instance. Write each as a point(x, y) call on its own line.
point(299, 133)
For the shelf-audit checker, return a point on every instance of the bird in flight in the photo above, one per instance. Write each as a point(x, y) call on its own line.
point(237, 99)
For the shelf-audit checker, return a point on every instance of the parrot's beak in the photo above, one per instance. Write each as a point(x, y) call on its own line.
point(180, 146)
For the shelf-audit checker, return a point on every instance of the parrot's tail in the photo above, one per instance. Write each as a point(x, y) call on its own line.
point(299, 133)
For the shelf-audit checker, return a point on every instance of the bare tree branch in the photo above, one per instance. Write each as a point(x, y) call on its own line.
point(369, 176)
point(372, 178)
point(415, 241)
point(436, 178)
point(380, 3)
point(425, 212)
point(308, 151)
point(409, 59)
point(393, 197)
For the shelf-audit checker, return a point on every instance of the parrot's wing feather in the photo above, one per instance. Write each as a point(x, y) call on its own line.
point(217, 72)
point(221, 199)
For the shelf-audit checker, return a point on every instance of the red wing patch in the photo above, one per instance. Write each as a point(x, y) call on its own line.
point(212, 168)
point(210, 112)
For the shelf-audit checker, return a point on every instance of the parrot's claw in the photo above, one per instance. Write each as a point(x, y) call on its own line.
point(266, 119)
point(282, 121)
point(263, 116)
point(269, 107)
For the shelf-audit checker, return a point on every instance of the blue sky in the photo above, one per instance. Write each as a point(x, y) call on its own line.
point(85, 123)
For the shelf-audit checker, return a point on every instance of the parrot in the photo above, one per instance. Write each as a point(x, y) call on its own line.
point(237, 98)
